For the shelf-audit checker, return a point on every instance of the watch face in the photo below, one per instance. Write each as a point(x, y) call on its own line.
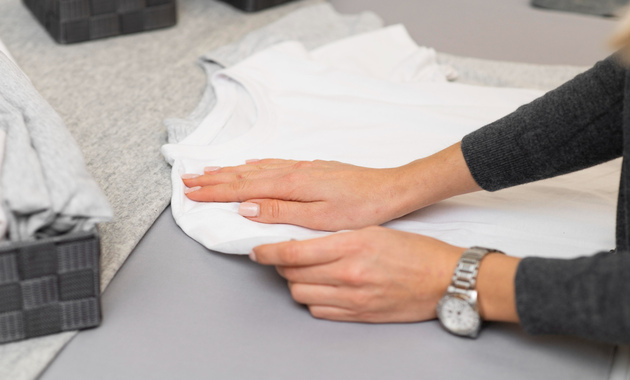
point(458, 316)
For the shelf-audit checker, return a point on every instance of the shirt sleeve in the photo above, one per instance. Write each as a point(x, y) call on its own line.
point(575, 126)
point(578, 125)
point(585, 297)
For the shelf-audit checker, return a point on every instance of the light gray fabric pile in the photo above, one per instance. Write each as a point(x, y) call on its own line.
point(46, 189)
point(509, 74)
point(113, 95)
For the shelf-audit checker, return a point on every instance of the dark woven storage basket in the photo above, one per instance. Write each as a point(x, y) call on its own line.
point(255, 5)
point(49, 285)
point(70, 21)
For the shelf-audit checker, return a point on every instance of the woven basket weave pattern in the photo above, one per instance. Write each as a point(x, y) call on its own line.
point(48, 287)
point(70, 21)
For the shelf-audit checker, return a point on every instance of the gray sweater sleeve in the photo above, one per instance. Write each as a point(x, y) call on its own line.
point(575, 126)
point(585, 297)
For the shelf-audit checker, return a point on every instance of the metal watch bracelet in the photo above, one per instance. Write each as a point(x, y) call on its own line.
point(465, 275)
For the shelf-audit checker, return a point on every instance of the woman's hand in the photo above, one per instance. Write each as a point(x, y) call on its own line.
point(370, 275)
point(332, 196)
point(323, 195)
point(380, 275)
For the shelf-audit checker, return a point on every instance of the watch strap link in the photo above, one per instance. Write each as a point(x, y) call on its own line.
point(465, 275)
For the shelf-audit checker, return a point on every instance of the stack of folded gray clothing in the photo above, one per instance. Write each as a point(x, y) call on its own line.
point(45, 189)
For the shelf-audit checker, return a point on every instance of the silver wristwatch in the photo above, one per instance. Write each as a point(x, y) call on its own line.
point(457, 310)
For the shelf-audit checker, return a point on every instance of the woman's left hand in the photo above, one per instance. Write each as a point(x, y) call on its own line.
point(370, 275)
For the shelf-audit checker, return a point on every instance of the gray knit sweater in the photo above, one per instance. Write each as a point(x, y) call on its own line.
point(582, 123)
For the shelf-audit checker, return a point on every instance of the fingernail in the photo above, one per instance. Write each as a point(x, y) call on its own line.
point(252, 255)
point(211, 168)
point(191, 189)
point(249, 209)
point(189, 176)
point(251, 161)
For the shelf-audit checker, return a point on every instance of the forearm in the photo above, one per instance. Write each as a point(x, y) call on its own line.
point(444, 175)
point(434, 178)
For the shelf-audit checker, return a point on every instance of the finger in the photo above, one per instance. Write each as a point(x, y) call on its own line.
point(316, 251)
point(266, 161)
point(228, 175)
point(322, 295)
point(337, 303)
point(306, 214)
point(238, 191)
point(250, 166)
point(235, 174)
point(322, 274)
point(192, 180)
point(333, 313)
point(258, 164)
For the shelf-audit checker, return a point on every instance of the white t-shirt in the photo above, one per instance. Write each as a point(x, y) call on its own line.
point(378, 100)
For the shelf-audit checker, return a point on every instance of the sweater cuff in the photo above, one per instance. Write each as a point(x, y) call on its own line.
point(585, 297)
point(493, 163)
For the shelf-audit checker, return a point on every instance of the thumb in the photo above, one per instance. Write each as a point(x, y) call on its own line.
point(279, 211)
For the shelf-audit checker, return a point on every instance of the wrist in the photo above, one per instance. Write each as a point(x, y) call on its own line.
point(495, 288)
point(432, 179)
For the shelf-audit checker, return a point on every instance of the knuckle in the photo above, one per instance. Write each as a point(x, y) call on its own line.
point(368, 317)
point(354, 275)
point(282, 271)
point(352, 245)
point(297, 294)
point(317, 312)
point(238, 186)
point(290, 255)
point(292, 177)
point(288, 273)
point(362, 301)
point(244, 175)
point(302, 165)
point(271, 209)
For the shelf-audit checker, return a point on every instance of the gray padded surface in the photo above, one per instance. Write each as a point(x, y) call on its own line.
point(177, 311)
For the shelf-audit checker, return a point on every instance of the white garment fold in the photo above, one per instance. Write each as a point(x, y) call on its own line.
point(3, 49)
point(348, 101)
